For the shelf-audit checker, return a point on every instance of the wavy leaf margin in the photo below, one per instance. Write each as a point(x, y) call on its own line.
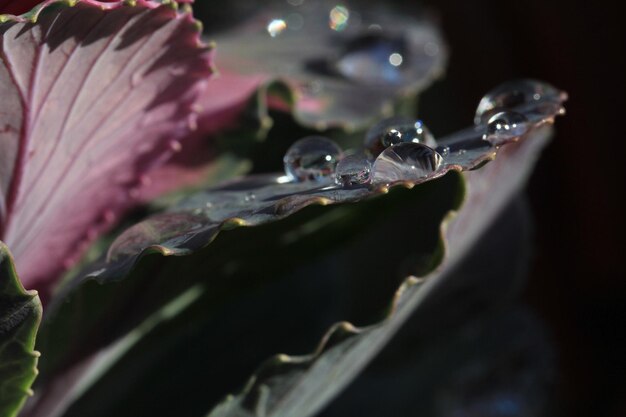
point(20, 315)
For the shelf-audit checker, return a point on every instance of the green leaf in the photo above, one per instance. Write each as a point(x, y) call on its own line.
point(301, 386)
point(250, 300)
point(20, 315)
point(473, 347)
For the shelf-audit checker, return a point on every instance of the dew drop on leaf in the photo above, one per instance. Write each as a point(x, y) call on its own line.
point(406, 161)
point(505, 126)
point(353, 170)
point(396, 130)
point(511, 94)
point(313, 158)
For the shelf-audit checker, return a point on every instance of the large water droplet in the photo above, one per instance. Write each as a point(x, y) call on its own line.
point(511, 94)
point(406, 161)
point(353, 170)
point(312, 158)
point(375, 58)
point(505, 126)
point(396, 130)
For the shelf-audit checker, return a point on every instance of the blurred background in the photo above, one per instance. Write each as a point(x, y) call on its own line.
point(576, 282)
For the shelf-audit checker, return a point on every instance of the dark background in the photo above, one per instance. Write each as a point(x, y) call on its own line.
point(577, 283)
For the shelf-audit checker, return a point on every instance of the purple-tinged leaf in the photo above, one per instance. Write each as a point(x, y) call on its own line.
point(93, 99)
point(18, 7)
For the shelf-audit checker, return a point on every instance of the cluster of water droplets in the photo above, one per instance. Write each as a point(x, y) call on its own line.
point(397, 148)
point(510, 109)
point(403, 149)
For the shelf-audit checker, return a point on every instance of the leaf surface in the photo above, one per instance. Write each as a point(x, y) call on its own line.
point(20, 314)
point(94, 99)
point(18, 7)
point(195, 222)
point(302, 385)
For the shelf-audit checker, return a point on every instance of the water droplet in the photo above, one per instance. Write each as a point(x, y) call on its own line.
point(543, 110)
point(445, 151)
point(396, 130)
point(250, 197)
point(338, 18)
point(312, 158)
point(375, 58)
point(353, 170)
point(276, 27)
point(505, 126)
point(511, 94)
point(406, 161)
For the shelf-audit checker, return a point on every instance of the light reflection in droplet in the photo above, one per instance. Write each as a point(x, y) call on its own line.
point(395, 59)
point(339, 16)
point(276, 27)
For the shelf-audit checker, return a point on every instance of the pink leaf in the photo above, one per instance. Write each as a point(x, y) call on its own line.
point(17, 7)
point(93, 99)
